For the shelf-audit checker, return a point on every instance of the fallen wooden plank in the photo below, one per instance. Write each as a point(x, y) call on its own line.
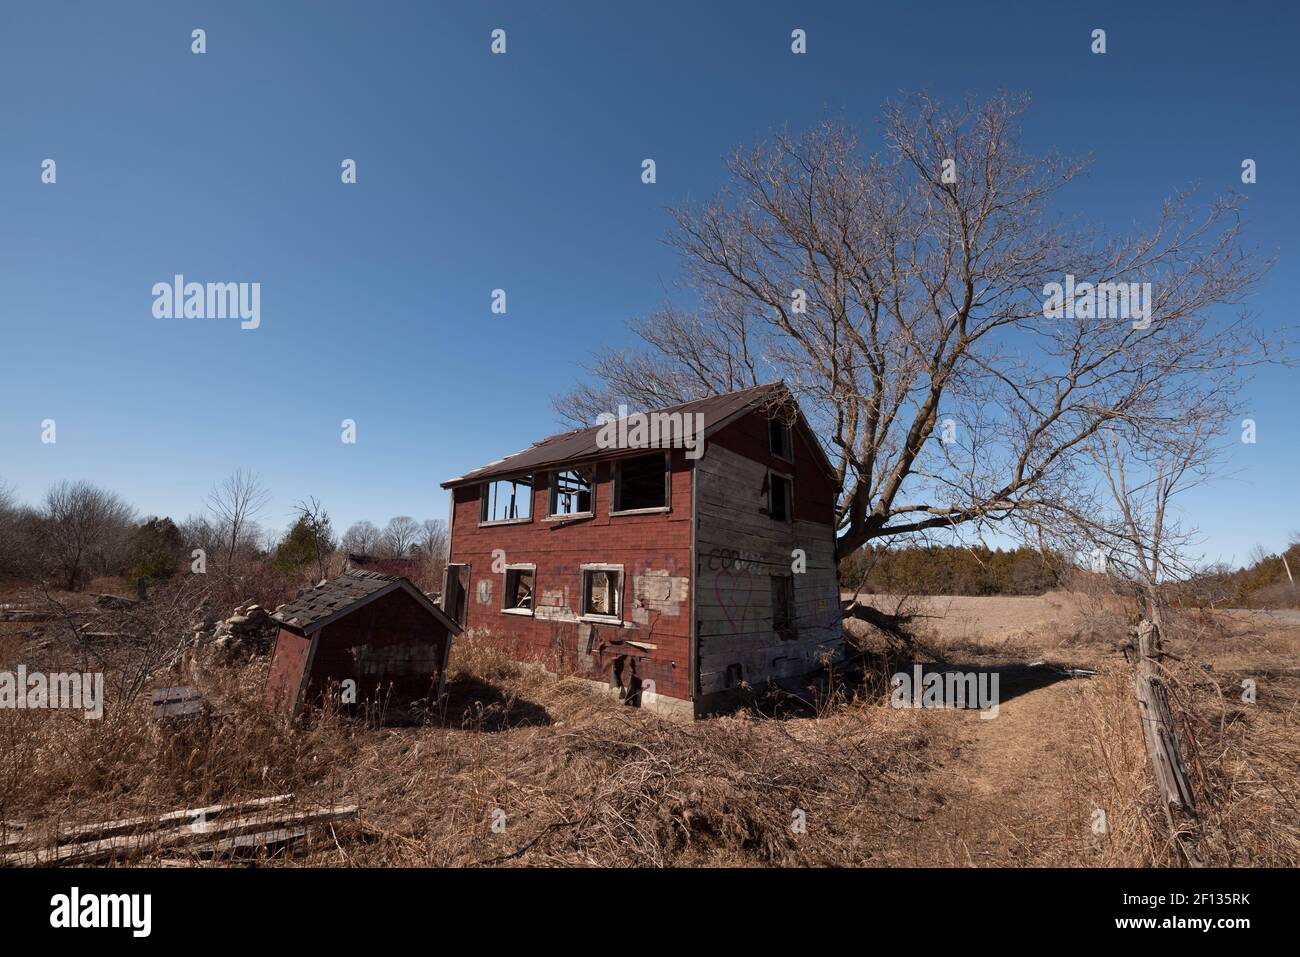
point(245, 841)
point(183, 702)
point(188, 835)
point(101, 829)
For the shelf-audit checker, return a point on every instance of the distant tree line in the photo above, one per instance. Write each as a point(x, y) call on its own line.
point(953, 570)
point(1269, 581)
point(78, 532)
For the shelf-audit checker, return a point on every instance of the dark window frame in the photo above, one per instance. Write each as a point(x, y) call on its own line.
point(787, 430)
point(786, 627)
point(788, 481)
point(616, 500)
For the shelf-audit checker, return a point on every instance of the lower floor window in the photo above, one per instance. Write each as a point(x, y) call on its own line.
point(519, 589)
point(783, 604)
point(602, 590)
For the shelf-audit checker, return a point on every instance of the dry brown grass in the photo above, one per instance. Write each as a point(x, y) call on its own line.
point(580, 778)
point(1243, 758)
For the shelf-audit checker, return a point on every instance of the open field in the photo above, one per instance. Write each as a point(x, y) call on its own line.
point(570, 777)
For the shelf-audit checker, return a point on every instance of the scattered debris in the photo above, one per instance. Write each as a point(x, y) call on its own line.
point(250, 631)
point(18, 613)
point(1068, 672)
point(216, 829)
point(183, 702)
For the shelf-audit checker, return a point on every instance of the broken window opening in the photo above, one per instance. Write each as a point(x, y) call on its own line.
point(778, 497)
point(641, 482)
point(518, 593)
point(602, 592)
point(779, 439)
point(783, 606)
point(506, 500)
point(571, 491)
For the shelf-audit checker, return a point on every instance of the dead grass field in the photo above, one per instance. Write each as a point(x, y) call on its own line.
point(581, 780)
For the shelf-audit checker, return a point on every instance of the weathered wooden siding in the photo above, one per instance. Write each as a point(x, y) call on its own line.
point(738, 548)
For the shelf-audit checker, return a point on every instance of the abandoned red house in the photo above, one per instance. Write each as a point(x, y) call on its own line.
point(672, 574)
point(377, 631)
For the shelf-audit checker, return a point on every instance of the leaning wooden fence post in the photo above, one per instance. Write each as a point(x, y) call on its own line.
point(1162, 745)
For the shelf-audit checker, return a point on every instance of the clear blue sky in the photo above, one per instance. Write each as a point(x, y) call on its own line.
point(521, 172)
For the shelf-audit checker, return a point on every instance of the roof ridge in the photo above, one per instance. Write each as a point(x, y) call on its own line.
point(722, 405)
point(662, 408)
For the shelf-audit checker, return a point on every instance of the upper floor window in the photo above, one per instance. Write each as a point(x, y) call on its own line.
point(778, 497)
point(641, 482)
point(571, 491)
point(506, 500)
point(779, 439)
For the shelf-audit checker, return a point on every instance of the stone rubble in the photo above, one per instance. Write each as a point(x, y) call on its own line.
point(249, 632)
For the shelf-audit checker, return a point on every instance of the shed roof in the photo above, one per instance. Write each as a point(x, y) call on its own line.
point(579, 445)
point(332, 599)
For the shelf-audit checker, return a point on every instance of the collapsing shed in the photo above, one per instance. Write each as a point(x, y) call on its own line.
point(378, 632)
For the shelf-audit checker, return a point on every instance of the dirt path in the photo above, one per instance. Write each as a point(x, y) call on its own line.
point(997, 800)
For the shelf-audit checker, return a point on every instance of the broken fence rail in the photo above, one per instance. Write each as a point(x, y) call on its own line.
point(1172, 779)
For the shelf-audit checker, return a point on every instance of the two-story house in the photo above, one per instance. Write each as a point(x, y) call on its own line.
point(671, 574)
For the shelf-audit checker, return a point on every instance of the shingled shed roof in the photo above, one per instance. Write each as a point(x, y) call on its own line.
point(580, 445)
point(330, 600)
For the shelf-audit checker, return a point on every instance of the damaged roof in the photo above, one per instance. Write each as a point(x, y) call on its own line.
point(329, 600)
point(580, 445)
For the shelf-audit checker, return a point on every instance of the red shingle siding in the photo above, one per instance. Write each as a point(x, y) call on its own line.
point(654, 550)
point(390, 640)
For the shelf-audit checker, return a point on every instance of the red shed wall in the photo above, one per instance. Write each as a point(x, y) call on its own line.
point(287, 668)
point(654, 550)
point(391, 640)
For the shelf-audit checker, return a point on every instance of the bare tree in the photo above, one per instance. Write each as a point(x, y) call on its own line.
point(400, 534)
point(8, 525)
point(199, 531)
point(234, 505)
point(905, 298)
point(361, 538)
point(1136, 532)
point(433, 546)
point(82, 524)
point(433, 537)
point(19, 534)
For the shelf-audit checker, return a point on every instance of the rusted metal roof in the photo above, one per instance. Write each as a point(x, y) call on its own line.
point(580, 445)
point(330, 599)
